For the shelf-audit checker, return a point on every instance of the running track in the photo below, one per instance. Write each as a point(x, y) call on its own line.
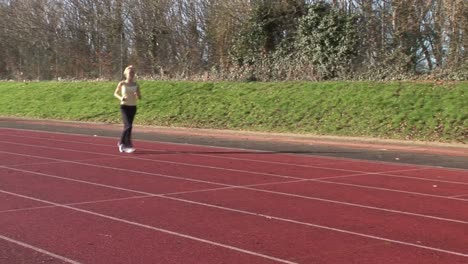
point(68, 198)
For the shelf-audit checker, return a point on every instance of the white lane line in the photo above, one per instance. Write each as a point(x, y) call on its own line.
point(242, 171)
point(45, 252)
point(247, 213)
point(419, 167)
point(422, 179)
point(384, 173)
point(247, 188)
point(162, 195)
point(152, 160)
point(126, 198)
point(251, 189)
point(385, 189)
point(459, 196)
point(79, 203)
point(119, 169)
point(321, 180)
point(156, 229)
point(305, 166)
point(51, 162)
point(326, 228)
point(351, 160)
point(233, 210)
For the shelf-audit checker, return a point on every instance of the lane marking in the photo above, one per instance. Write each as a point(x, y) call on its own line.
point(385, 189)
point(45, 252)
point(79, 203)
point(422, 179)
point(234, 158)
point(215, 147)
point(248, 188)
point(331, 159)
point(209, 242)
point(268, 174)
point(459, 196)
point(162, 195)
point(252, 189)
point(383, 173)
point(302, 165)
point(113, 168)
point(144, 159)
point(50, 162)
point(244, 212)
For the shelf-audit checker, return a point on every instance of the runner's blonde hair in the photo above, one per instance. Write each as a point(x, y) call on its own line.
point(127, 70)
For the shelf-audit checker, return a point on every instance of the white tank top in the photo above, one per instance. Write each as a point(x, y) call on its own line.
point(128, 92)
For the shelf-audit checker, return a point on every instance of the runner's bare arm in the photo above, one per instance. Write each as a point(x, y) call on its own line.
point(118, 92)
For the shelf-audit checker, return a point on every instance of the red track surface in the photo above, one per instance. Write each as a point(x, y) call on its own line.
point(75, 199)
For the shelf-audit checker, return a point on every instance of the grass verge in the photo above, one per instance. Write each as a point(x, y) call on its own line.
point(392, 110)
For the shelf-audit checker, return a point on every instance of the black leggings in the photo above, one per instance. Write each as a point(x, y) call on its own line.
point(128, 114)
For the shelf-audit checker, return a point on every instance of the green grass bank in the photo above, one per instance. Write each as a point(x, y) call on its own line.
point(391, 110)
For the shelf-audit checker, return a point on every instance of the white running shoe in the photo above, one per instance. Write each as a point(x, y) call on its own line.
point(129, 150)
point(121, 147)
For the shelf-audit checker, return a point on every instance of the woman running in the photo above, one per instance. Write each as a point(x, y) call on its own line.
point(128, 92)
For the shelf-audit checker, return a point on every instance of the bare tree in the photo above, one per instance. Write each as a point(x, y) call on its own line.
point(50, 39)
